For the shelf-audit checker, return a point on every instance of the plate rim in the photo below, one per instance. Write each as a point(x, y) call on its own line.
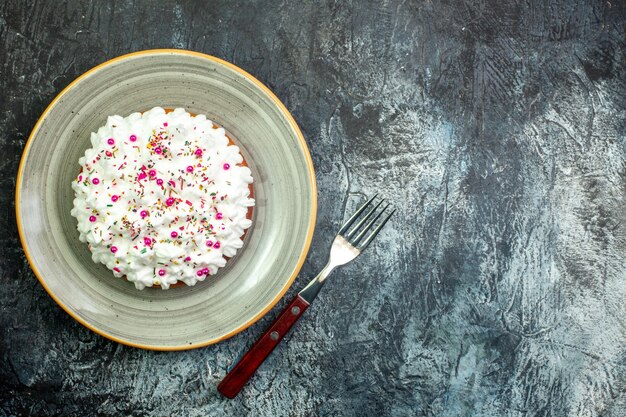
point(303, 146)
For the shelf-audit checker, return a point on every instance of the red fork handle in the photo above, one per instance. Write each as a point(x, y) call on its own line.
point(234, 381)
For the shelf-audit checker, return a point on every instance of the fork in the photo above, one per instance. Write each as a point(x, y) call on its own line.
point(347, 245)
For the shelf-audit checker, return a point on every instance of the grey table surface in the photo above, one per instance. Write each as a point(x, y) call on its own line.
point(498, 128)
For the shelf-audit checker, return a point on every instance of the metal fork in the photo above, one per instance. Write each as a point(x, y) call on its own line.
point(348, 244)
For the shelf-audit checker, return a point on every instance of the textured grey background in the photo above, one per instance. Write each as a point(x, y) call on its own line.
point(498, 128)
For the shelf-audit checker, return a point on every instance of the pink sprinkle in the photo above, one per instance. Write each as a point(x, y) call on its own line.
point(199, 273)
point(158, 150)
point(116, 269)
point(80, 178)
point(161, 272)
point(172, 183)
point(170, 201)
point(217, 245)
point(152, 173)
point(199, 152)
point(133, 138)
point(165, 124)
point(188, 203)
point(114, 198)
point(159, 181)
point(187, 259)
point(111, 141)
point(226, 166)
point(143, 214)
point(92, 218)
point(205, 271)
point(147, 241)
point(209, 243)
point(108, 153)
point(113, 249)
point(142, 175)
point(219, 216)
point(95, 181)
point(181, 228)
point(189, 168)
point(174, 234)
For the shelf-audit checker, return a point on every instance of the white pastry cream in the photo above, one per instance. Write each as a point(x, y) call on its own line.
point(162, 197)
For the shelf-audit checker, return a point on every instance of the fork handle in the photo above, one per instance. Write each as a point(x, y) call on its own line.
point(234, 381)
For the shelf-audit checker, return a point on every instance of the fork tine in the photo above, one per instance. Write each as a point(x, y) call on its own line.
point(351, 220)
point(361, 222)
point(372, 235)
point(369, 225)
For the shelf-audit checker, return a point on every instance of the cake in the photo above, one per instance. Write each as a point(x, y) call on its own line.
point(162, 197)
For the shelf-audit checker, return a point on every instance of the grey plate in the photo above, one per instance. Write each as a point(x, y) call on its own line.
point(275, 247)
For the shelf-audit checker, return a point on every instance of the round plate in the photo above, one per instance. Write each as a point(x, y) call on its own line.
point(275, 247)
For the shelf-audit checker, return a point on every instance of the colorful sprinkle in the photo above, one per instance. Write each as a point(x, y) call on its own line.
point(219, 216)
point(158, 150)
point(198, 152)
point(92, 219)
point(174, 234)
point(113, 249)
point(147, 241)
point(132, 138)
point(142, 175)
point(209, 243)
point(227, 166)
point(152, 173)
point(217, 245)
point(170, 201)
point(200, 273)
point(159, 181)
point(143, 214)
point(114, 198)
point(95, 181)
point(161, 272)
point(189, 168)
point(111, 141)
